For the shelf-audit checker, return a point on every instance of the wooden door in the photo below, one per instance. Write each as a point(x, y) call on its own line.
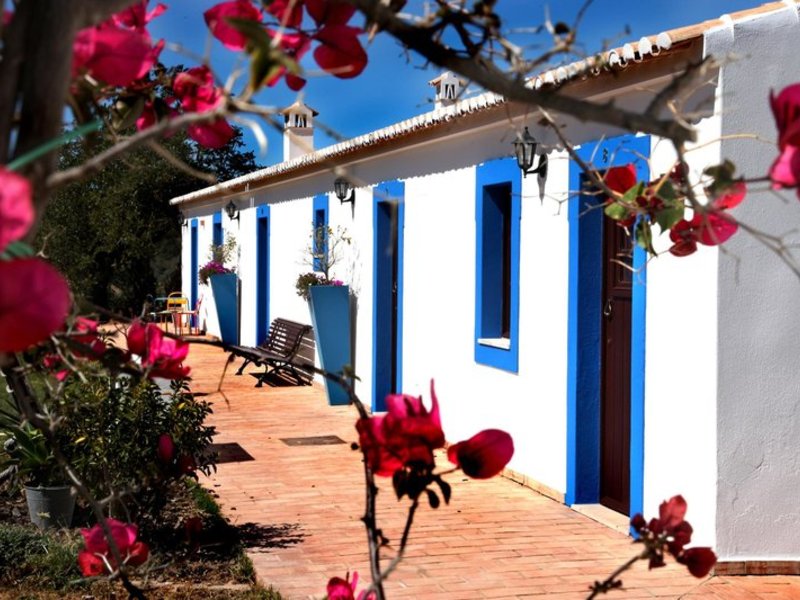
point(615, 403)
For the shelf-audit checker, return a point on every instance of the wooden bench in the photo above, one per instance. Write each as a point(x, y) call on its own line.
point(287, 341)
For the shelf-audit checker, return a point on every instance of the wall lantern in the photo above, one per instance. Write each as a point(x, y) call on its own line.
point(525, 150)
point(231, 211)
point(344, 191)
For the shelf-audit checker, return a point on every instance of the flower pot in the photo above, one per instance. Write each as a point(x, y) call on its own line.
point(225, 286)
point(330, 315)
point(50, 506)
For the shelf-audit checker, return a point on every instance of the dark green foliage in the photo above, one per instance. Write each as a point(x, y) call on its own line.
point(114, 235)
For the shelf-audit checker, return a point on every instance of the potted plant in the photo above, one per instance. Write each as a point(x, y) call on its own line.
point(224, 287)
point(329, 303)
point(51, 502)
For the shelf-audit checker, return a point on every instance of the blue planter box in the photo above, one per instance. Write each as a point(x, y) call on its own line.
point(225, 289)
point(330, 315)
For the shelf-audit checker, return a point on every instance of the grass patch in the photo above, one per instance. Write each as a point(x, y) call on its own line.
point(38, 559)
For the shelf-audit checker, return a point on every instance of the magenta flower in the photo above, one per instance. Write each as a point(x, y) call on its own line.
point(16, 207)
point(115, 55)
point(785, 171)
point(484, 455)
point(166, 448)
point(136, 16)
point(197, 93)
point(162, 356)
point(92, 560)
point(339, 52)
point(217, 20)
point(344, 589)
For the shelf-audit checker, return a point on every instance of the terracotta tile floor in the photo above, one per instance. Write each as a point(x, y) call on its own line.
point(497, 539)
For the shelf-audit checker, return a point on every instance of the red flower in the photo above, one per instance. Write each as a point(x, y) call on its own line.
point(407, 435)
point(166, 448)
point(785, 171)
point(136, 16)
point(215, 134)
point(339, 51)
point(162, 356)
point(115, 55)
point(483, 455)
point(51, 362)
point(288, 12)
point(731, 197)
point(16, 207)
point(700, 561)
point(330, 12)
point(84, 332)
point(710, 228)
point(217, 20)
point(186, 465)
point(96, 546)
point(344, 589)
point(621, 179)
point(294, 46)
point(34, 302)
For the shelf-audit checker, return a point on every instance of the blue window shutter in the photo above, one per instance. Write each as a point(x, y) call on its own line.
point(320, 220)
point(217, 235)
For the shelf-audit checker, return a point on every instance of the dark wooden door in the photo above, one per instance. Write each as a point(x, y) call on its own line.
point(615, 404)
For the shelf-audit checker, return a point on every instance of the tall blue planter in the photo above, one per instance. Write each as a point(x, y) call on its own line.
point(225, 286)
point(330, 315)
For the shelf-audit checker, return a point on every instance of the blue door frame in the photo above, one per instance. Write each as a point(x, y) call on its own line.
point(387, 358)
point(194, 266)
point(262, 273)
point(584, 329)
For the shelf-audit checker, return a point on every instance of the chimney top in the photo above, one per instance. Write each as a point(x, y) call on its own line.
point(448, 88)
point(298, 130)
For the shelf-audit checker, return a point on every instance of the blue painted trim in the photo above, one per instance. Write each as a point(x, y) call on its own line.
point(262, 272)
point(194, 266)
point(500, 171)
point(319, 218)
point(217, 236)
point(382, 281)
point(584, 310)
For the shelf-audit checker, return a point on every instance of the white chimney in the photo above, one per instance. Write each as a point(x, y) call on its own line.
point(298, 130)
point(448, 89)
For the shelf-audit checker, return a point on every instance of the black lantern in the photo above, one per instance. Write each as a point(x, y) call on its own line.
point(525, 150)
point(232, 211)
point(344, 191)
point(182, 219)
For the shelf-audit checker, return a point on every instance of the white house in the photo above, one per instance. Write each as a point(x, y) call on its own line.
point(619, 389)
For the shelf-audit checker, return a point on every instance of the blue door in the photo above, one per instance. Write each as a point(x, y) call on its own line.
point(262, 274)
point(387, 333)
point(194, 266)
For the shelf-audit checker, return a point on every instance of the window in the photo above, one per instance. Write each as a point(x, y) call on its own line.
point(217, 237)
point(497, 264)
point(319, 238)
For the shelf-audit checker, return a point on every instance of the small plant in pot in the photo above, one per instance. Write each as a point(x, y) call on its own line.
point(50, 500)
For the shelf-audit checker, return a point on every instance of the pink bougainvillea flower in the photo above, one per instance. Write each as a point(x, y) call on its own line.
point(215, 134)
point(7, 16)
point(187, 465)
point(785, 171)
point(731, 197)
point(34, 302)
point(344, 589)
point(294, 46)
point(16, 207)
point(294, 82)
point(330, 12)
point(700, 561)
point(339, 52)
point(85, 333)
point(136, 16)
point(96, 546)
point(196, 90)
point(52, 362)
point(288, 12)
point(162, 356)
point(406, 435)
point(216, 19)
point(115, 55)
point(710, 228)
point(483, 455)
point(166, 448)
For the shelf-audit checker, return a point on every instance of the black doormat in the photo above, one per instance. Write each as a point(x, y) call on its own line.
point(317, 440)
point(230, 452)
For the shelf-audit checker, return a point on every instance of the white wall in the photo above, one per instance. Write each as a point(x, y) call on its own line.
point(759, 304)
point(680, 451)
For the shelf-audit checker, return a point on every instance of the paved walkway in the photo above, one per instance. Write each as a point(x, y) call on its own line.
point(497, 539)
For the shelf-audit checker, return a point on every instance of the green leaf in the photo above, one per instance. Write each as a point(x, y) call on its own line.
point(617, 211)
point(17, 250)
point(667, 192)
point(644, 236)
point(668, 217)
point(632, 194)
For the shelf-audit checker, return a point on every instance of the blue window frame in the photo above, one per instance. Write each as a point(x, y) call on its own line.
point(217, 235)
point(320, 234)
point(497, 227)
point(194, 264)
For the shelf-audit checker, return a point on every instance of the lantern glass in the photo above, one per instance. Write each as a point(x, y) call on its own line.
point(341, 187)
point(525, 150)
point(230, 209)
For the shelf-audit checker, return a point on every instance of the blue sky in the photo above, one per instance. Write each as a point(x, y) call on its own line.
point(394, 86)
